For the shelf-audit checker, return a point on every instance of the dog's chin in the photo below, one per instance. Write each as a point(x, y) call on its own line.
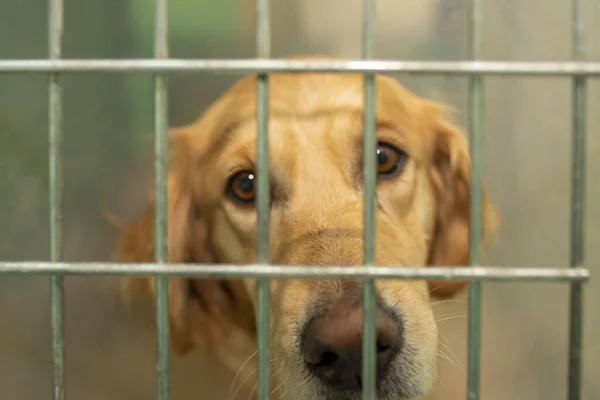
point(358, 396)
point(394, 387)
point(332, 394)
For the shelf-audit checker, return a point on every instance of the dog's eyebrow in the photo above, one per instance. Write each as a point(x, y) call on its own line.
point(230, 126)
point(226, 132)
point(228, 129)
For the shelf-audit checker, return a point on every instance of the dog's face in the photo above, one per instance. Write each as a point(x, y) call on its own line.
point(315, 140)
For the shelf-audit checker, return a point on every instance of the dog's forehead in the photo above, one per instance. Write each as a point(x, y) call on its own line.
point(313, 97)
point(309, 93)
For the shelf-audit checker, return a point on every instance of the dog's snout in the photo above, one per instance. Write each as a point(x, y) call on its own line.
point(332, 345)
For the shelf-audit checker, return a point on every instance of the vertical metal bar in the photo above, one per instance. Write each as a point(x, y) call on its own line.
point(369, 378)
point(577, 201)
point(161, 39)
point(475, 139)
point(55, 26)
point(263, 50)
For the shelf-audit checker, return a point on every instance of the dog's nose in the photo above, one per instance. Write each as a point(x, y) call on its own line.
point(332, 345)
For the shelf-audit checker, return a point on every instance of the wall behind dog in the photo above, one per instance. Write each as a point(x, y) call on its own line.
point(108, 118)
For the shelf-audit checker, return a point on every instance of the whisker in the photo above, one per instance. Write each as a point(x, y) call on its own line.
point(452, 314)
point(450, 317)
point(438, 378)
point(299, 384)
point(456, 362)
point(237, 374)
point(242, 383)
point(443, 355)
point(302, 383)
point(272, 360)
point(435, 303)
point(253, 390)
point(276, 389)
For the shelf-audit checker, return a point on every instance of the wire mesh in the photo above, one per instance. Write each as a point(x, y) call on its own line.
point(247, 66)
point(263, 50)
point(369, 181)
point(475, 228)
point(55, 34)
point(577, 202)
point(160, 195)
point(233, 271)
point(161, 65)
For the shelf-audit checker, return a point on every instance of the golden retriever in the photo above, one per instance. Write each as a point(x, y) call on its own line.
point(315, 135)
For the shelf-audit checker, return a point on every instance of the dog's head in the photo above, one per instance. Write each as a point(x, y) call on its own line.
point(315, 139)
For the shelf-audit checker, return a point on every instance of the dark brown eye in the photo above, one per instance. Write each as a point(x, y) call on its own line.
point(390, 160)
point(242, 187)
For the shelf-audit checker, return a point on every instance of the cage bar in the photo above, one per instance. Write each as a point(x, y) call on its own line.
point(369, 377)
point(577, 201)
point(263, 51)
point(55, 28)
point(475, 220)
point(161, 202)
point(161, 65)
point(249, 271)
point(247, 66)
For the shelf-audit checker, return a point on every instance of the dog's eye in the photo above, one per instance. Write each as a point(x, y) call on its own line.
point(390, 160)
point(242, 188)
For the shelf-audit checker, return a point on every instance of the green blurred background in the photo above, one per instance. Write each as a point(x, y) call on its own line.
point(108, 120)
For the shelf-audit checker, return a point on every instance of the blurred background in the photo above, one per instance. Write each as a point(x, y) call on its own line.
point(108, 120)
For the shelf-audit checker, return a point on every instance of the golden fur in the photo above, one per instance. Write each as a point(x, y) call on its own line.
point(422, 219)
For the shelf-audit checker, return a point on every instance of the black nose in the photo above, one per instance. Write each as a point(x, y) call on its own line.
point(332, 345)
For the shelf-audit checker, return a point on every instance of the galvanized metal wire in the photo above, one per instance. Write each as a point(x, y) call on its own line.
point(475, 217)
point(242, 271)
point(248, 66)
point(263, 294)
point(161, 127)
point(577, 201)
point(369, 376)
point(579, 70)
point(55, 34)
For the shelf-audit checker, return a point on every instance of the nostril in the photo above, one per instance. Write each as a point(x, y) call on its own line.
point(386, 339)
point(383, 347)
point(327, 359)
point(359, 382)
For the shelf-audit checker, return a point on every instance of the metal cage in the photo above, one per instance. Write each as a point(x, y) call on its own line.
point(161, 66)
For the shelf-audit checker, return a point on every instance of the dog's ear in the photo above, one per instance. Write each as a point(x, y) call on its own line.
point(136, 243)
point(450, 174)
point(199, 310)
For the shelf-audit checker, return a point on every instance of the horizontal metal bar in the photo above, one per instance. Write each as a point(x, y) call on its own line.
point(238, 271)
point(243, 66)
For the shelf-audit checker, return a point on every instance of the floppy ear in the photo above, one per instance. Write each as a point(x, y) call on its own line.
point(199, 309)
point(451, 177)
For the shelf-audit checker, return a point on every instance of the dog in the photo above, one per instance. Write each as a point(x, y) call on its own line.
point(316, 214)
